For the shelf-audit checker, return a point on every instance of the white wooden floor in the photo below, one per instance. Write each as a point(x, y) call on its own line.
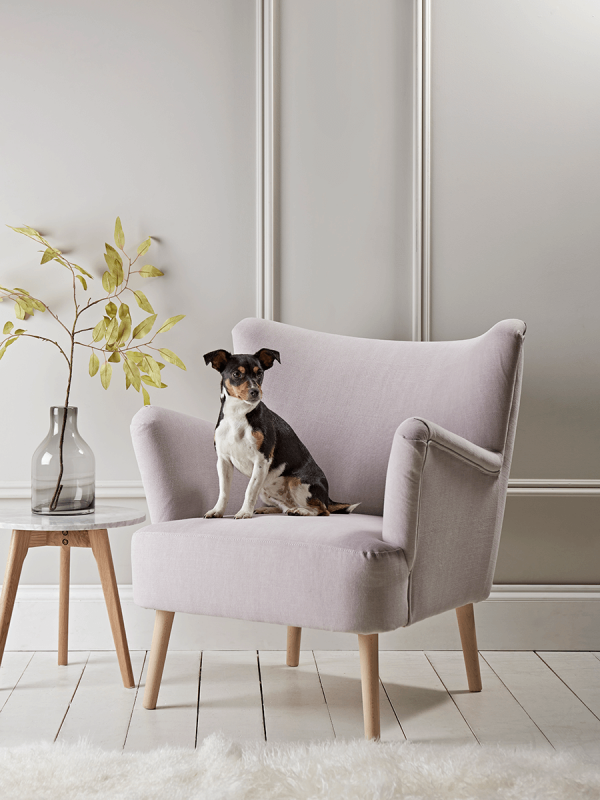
point(544, 700)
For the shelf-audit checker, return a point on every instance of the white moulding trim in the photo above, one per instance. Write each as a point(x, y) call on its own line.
point(500, 593)
point(518, 487)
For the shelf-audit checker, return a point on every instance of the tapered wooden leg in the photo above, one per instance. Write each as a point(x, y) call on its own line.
point(63, 606)
point(101, 549)
point(163, 623)
point(368, 645)
point(468, 638)
point(19, 545)
point(293, 646)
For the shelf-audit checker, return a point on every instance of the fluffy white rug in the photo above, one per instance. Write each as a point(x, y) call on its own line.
point(223, 770)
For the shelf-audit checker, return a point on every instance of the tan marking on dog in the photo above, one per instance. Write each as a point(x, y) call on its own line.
point(318, 504)
point(259, 439)
point(256, 369)
point(242, 370)
point(337, 507)
point(268, 510)
point(272, 452)
point(241, 391)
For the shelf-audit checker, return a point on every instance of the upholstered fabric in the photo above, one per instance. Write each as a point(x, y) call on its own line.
point(334, 573)
point(346, 396)
point(421, 434)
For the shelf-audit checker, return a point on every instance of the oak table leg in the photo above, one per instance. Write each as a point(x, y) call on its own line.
point(468, 638)
point(368, 645)
point(63, 606)
point(101, 549)
point(19, 544)
point(293, 646)
point(163, 622)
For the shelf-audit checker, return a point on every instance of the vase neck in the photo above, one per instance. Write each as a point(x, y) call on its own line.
point(56, 419)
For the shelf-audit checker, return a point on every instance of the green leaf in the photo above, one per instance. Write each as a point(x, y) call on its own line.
point(49, 255)
point(127, 382)
point(37, 304)
point(111, 309)
point(11, 341)
point(19, 331)
point(109, 284)
point(169, 323)
point(144, 327)
point(119, 235)
point(99, 331)
point(83, 271)
point(19, 311)
point(153, 370)
point(83, 281)
point(143, 302)
point(94, 364)
point(150, 272)
point(106, 374)
point(133, 373)
point(135, 356)
point(112, 331)
point(115, 264)
point(144, 247)
point(115, 358)
point(170, 356)
point(3, 349)
point(26, 230)
point(124, 311)
point(8, 327)
point(146, 397)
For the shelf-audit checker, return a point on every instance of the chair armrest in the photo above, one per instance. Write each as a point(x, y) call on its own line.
point(178, 464)
point(444, 502)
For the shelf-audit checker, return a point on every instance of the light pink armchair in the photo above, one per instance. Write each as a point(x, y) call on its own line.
point(421, 434)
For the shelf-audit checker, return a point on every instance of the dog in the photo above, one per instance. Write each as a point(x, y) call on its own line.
point(262, 446)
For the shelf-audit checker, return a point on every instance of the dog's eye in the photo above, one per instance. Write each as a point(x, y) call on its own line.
point(236, 374)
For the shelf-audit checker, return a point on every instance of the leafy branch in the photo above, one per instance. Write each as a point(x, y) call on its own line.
point(114, 339)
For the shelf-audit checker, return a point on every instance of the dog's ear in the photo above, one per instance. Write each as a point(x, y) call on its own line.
point(267, 357)
point(217, 359)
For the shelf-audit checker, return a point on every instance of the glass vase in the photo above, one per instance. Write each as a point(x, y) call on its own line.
point(63, 468)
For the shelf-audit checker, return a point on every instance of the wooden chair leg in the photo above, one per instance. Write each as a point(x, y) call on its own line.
point(163, 623)
point(19, 544)
point(63, 606)
point(100, 544)
point(293, 646)
point(368, 645)
point(468, 638)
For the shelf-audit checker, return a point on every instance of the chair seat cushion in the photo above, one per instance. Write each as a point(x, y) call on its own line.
point(334, 573)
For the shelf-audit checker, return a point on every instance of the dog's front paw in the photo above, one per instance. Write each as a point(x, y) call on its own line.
point(243, 514)
point(213, 513)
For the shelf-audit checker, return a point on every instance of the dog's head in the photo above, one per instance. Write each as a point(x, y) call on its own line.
point(242, 374)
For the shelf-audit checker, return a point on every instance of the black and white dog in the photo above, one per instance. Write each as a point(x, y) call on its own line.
point(262, 446)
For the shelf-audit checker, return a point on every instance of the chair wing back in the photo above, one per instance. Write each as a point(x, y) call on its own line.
point(346, 396)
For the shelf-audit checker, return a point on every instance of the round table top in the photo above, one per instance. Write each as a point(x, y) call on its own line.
point(102, 517)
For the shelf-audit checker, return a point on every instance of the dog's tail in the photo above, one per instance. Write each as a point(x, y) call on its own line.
point(341, 508)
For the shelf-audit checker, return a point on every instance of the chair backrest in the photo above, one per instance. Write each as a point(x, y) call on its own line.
point(346, 396)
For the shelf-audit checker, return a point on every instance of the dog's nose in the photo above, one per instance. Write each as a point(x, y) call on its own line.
point(254, 393)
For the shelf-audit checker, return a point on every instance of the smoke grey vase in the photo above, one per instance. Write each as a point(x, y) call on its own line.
point(74, 490)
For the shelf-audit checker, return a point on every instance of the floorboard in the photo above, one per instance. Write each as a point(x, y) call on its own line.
point(339, 671)
point(424, 708)
point(230, 699)
point(493, 714)
point(36, 708)
point(294, 706)
point(557, 712)
point(101, 708)
point(581, 673)
point(13, 666)
point(173, 722)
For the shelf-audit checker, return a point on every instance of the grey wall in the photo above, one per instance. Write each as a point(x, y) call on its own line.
point(147, 110)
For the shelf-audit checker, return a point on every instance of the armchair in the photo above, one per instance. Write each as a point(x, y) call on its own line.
point(421, 433)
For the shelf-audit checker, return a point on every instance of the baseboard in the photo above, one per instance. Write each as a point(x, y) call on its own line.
point(512, 618)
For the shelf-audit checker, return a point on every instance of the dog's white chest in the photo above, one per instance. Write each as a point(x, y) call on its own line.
point(235, 442)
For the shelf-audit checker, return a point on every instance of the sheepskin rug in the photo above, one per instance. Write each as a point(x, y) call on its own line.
point(224, 770)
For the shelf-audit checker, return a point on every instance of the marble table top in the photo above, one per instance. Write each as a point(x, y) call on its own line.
point(102, 517)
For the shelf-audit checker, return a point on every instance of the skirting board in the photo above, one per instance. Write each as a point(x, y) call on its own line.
point(512, 618)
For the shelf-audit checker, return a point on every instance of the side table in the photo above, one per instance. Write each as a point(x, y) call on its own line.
point(67, 531)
